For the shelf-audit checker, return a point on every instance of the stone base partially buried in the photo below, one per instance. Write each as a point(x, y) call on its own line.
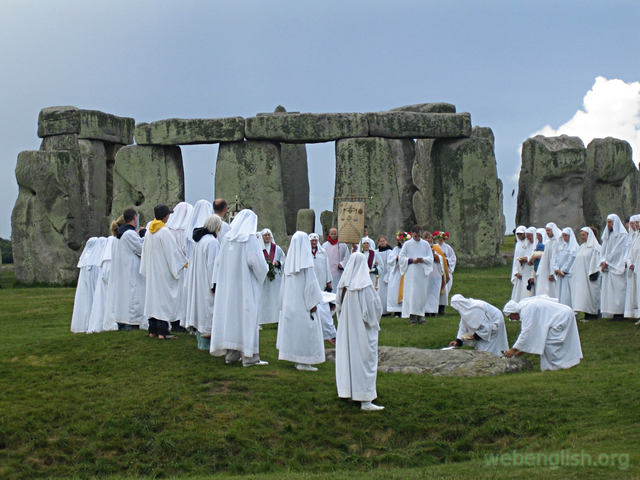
point(444, 363)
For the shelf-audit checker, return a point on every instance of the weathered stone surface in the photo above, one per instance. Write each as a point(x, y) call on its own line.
point(306, 220)
point(552, 180)
point(253, 172)
point(609, 164)
point(94, 166)
point(459, 192)
point(439, 107)
point(194, 131)
point(424, 179)
point(631, 194)
point(295, 182)
point(407, 124)
point(144, 176)
point(326, 220)
point(444, 363)
point(378, 167)
point(306, 127)
point(87, 124)
point(279, 109)
point(47, 219)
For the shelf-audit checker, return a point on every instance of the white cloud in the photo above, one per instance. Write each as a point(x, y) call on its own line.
point(611, 109)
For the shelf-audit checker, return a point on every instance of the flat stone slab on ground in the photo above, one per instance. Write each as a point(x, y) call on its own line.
point(404, 124)
point(87, 124)
point(445, 363)
point(192, 131)
point(306, 127)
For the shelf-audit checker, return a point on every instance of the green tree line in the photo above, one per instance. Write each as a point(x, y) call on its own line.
point(7, 253)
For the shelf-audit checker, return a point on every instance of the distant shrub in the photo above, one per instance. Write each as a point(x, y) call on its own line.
point(7, 252)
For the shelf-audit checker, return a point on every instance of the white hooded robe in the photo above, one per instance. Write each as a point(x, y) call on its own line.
point(485, 320)
point(162, 264)
point(126, 289)
point(239, 273)
point(359, 312)
point(585, 293)
point(300, 338)
point(199, 284)
point(89, 265)
point(415, 276)
point(549, 329)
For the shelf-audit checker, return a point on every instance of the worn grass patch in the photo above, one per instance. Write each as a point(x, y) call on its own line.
point(119, 405)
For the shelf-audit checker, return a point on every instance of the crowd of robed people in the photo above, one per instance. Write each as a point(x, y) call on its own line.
point(189, 270)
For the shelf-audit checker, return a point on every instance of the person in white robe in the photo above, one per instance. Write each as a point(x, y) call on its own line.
point(338, 254)
point(162, 264)
point(394, 304)
point(384, 250)
point(563, 266)
point(545, 280)
point(481, 326)
point(239, 273)
point(613, 255)
point(416, 263)
point(201, 211)
point(270, 290)
point(359, 312)
point(323, 274)
point(437, 278)
point(585, 280)
point(89, 265)
point(633, 261)
point(300, 337)
point(452, 260)
point(199, 281)
point(221, 208)
point(548, 329)
point(96, 319)
point(365, 238)
point(521, 253)
point(179, 222)
point(126, 288)
point(177, 225)
point(373, 262)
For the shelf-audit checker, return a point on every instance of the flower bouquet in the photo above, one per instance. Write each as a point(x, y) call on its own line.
point(271, 274)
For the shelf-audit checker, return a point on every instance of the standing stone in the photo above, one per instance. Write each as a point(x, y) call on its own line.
point(378, 167)
point(609, 164)
point(463, 195)
point(306, 221)
point(326, 220)
point(631, 194)
point(295, 178)
point(253, 172)
point(145, 176)
point(552, 180)
point(426, 205)
point(47, 219)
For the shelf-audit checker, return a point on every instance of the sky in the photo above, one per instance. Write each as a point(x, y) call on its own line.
point(521, 68)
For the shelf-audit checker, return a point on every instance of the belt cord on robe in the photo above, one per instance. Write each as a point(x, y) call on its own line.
point(401, 289)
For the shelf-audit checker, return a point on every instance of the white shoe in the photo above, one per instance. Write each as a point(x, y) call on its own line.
point(260, 362)
point(370, 407)
point(638, 322)
point(305, 367)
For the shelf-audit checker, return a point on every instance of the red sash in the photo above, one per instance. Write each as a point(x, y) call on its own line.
point(271, 255)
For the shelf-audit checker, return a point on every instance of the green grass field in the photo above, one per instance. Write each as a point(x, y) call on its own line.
point(119, 405)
